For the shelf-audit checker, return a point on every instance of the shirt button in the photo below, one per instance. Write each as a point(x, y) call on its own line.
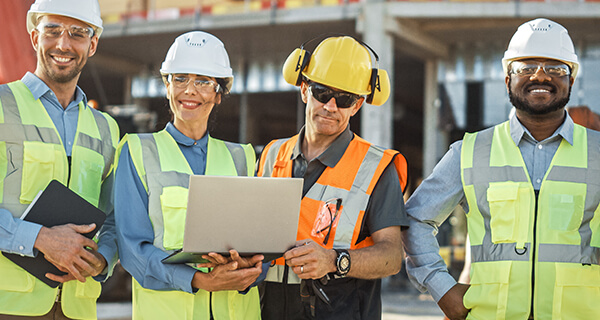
point(540, 146)
point(195, 143)
point(21, 248)
point(538, 180)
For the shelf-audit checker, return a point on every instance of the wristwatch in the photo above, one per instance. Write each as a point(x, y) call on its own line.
point(342, 262)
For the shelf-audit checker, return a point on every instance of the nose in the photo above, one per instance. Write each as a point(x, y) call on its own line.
point(63, 42)
point(190, 88)
point(331, 105)
point(540, 75)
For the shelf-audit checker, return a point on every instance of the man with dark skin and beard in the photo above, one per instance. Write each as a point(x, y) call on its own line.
point(48, 132)
point(529, 188)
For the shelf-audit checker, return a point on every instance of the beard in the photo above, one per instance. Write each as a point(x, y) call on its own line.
point(523, 105)
point(62, 74)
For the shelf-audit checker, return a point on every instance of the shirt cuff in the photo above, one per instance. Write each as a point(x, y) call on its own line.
point(111, 262)
point(183, 276)
point(24, 239)
point(439, 284)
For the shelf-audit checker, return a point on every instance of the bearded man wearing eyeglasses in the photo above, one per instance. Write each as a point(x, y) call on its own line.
point(352, 206)
point(48, 132)
point(531, 193)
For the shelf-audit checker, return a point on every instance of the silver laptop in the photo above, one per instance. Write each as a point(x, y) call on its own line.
point(253, 215)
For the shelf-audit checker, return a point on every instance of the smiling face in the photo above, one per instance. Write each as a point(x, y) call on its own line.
point(539, 93)
point(61, 58)
point(191, 106)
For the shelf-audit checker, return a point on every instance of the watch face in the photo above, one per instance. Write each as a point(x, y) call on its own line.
point(344, 263)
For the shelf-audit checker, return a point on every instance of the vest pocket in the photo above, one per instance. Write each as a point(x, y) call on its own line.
point(505, 212)
point(488, 295)
point(38, 169)
point(14, 278)
point(173, 202)
point(577, 291)
point(566, 212)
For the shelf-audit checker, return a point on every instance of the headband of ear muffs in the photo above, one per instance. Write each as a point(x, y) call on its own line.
point(299, 59)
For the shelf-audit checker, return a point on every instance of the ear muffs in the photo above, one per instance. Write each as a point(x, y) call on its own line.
point(380, 87)
point(293, 66)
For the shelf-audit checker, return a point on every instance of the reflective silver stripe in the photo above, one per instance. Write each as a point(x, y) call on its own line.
point(16, 132)
point(107, 147)
point(9, 105)
point(354, 201)
point(481, 175)
point(499, 252)
point(271, 157)
point(548, 252)
point(239, 157)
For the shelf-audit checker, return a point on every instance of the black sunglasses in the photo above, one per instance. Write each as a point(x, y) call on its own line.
point(323, 94)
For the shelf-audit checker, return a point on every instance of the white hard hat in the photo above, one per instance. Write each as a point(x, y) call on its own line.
point(542, 38)
point(87, 11)
point(200, 53)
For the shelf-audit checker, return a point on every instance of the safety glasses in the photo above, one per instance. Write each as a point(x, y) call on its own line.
point(336, 203)
point(525, 69)
point(324, 94)
point(55, 30)
point(202, 85)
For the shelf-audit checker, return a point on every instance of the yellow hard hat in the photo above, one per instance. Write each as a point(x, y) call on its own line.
point(341, 63)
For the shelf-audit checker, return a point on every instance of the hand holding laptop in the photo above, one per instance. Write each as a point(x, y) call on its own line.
point(216, 259)
point(228, 276)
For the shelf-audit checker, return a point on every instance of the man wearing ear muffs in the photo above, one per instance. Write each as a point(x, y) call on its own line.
point(352, 207)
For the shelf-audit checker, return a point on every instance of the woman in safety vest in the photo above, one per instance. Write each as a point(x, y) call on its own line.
point(152, 179)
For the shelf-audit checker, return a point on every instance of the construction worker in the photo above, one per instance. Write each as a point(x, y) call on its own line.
point(47, 132)
point(352, 207)
point(529, 187)
point(151, 192)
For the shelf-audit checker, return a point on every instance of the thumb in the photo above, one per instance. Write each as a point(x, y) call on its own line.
point(84, 228)
point(233, 265)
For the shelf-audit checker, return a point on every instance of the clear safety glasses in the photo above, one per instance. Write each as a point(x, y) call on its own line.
point(55, 30)
point(202, 85)
point(525, 69)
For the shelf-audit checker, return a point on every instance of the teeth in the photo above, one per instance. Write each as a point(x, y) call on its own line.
point(540, 90)
point(189, 104)
point(61, 59)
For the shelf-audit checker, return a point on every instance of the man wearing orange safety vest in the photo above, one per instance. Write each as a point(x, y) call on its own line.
point(352, 207)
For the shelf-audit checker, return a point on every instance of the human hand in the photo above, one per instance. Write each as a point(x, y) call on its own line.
point(98, 268)
point(65, 247)
point(452, 302)
point(309, 260)
point(216, 259)
point(227, 277)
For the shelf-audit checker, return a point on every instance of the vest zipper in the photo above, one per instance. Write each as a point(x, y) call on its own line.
point(210, 306)
point(533, 251)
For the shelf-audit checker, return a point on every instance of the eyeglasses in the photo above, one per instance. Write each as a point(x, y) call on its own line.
point(525, 69)
point(324, 94)
point(55, 30)
point(332, 216)
point(202, 85)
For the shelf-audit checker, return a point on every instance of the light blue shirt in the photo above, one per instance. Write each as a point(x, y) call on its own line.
point(438, 195)
point(18, 236)
point(135, 233)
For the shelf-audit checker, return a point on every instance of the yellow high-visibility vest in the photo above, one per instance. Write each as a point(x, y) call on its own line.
point(31, 155)
point(531, 255)
point(165, 172)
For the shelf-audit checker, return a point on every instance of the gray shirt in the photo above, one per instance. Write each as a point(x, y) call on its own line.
point(442, 191)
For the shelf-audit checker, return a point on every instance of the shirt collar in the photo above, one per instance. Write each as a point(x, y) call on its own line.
point(334, 152)
point(39, 88)
point(185, 140)
point(518, 131)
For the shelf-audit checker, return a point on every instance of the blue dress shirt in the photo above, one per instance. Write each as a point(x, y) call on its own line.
point(135, 233)
point(438, 195)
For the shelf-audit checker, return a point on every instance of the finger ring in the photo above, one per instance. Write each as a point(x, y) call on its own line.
point(301, 269)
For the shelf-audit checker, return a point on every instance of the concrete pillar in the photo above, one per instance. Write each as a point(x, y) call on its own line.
point(435, 142)
point(377, 121)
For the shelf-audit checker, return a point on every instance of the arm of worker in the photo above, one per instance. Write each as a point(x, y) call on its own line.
point(385, 214)
point(428, 207)
point(16, 235)
point(142, 259)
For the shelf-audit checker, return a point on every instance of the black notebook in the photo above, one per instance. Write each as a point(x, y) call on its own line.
point(56, 205)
